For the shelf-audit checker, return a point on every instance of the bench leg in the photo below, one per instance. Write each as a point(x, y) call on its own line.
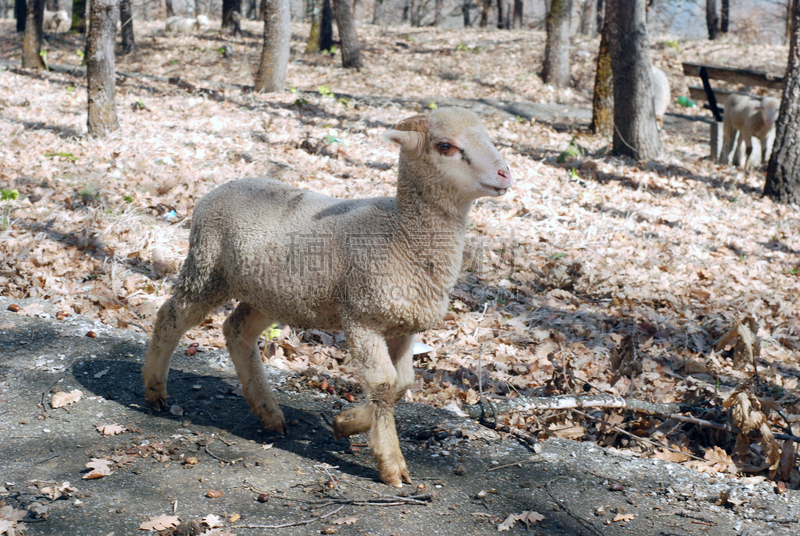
point(716, 140)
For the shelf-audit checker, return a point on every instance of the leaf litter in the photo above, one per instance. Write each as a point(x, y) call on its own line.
point(667, 280)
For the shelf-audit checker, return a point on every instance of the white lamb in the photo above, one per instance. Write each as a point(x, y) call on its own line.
point(186, 25)
point(56, 21)
point(660, 94)
point(380, 269)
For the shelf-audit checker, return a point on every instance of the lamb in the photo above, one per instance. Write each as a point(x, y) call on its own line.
point(749, 118)
point(379, 269)
point(55, 20)
point(186, 25)
point(660, 94)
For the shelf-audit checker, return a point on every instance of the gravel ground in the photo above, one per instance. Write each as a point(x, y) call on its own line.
point(468, 479)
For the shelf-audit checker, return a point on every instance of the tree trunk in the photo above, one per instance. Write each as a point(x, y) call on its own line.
point(465, 11)
point(635, 130)
point(712, 20)
point(783, 170)
point(437, 12)
point(21, 14)
point(603, 97)
point(230, 21)
point(500, 12)
point(170, 8)
point(377, 14)
point(487, 4)
point(601, 15)
point(126, 25)
point(351, 50)
point(271, 76)
point(100, 73)
point(32, 41)
point(358, 11)
point(413, 12)
point(78, 17)
point(725, 16)
point(326, 26)
point(589, 17)
point(516, 21)
point(556, 52)
point(312, 45)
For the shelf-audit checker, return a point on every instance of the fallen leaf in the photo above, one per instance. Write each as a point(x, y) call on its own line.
point(102, 373)
point(623, 517)
point(63, 398)
point(670, 456)
point(32, 310)
point(526, 517)
point(507, 524)
point(160, 523)
point(176, 410)
point(234, 518)
point(110, 429)
point(100, 468)
point(212, 521)
point(345, 520)
point(7, 325)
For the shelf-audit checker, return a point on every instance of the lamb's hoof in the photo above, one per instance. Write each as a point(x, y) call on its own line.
point(275, 423)
point(156, 399)
point(396, 475)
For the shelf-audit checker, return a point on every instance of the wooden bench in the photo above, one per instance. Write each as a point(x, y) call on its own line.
point(714, 96)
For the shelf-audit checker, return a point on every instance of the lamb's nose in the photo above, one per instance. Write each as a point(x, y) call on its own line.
point(506, 176)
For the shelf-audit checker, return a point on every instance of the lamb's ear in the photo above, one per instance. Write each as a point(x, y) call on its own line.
point(410, 134)
point(411, 141)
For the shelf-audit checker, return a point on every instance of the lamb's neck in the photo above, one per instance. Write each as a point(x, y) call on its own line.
point(421, 207)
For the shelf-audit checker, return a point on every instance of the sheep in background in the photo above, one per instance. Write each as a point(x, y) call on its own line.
point(660, 95)
point(745, 118)
point(186, 25)
point(379, 269)
point(56, 21)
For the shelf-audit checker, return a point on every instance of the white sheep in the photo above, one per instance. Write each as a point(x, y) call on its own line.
point(380, 269)
point(186, 25)
point(660, 94)
point(56, 20)
point(745, 118)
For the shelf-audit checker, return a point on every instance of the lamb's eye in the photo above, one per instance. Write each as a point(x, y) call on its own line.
point(445, 147)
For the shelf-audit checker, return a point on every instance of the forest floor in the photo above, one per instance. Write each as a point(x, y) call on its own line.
point(664, 281)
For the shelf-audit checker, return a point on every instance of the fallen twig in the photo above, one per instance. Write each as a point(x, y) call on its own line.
point(387, 500)
point(494, 407)
point(515, 464)
point(294, 524)
point(223, 460)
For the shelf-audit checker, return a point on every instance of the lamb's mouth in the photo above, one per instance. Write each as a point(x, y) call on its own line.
point(495, 189)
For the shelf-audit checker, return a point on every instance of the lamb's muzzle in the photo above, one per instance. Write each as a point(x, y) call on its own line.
point(247, 243)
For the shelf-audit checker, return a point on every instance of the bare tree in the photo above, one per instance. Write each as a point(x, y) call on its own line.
point(603, 96)
point(351, 49)
point(712, 20)
point(326, 26)
point(271, 76)
point(126, 27)
point(100, 73)
point(589, 17)
point(516, 20)
point(78, 16)
point(487, 5)
point(21, 14)
point(635, 130)
point(377, 14)
point(725, 15)
point(32, 41)
point(437, 12)
point(170, 8)
point(556, 51)
point(465, 12)
point(232, 15)
point(783, 170)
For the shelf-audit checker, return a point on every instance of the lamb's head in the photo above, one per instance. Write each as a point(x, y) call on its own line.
point(451, 147)
point(769, 110)
point(202, 21)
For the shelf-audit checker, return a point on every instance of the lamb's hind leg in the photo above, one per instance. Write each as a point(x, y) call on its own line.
point(242, 329)
point(359, 419)
point(175, 317)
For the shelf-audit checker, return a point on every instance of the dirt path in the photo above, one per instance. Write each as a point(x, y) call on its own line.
point(469, 479)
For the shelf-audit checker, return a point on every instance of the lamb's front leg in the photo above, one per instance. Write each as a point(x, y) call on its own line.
point(371, 355)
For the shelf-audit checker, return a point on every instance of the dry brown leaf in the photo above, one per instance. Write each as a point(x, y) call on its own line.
point(787, 460)
point(345, 520)
point(161, 522)
point(33, 309)
point(718, 458)
point(527, 517)
point(111, 429)
point(745, 341)
point(212, 521)
point(62, 398)
point(670, 456)
point(99, 468)
point(623, 517)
